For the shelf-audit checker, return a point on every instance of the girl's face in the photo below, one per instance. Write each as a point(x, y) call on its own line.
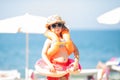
point(56, 28)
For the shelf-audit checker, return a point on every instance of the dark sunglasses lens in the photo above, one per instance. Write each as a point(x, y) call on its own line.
point(59, 25)
point(53, 25)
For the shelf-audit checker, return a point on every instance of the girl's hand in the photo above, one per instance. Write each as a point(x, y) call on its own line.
point(51, 68)
point(73, 67)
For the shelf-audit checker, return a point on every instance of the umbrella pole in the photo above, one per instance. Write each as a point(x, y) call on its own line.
point(27, 58)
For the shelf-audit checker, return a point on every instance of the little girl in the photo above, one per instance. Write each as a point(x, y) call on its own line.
point(56, 51)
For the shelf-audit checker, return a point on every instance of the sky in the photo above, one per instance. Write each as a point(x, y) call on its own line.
point(78, 14)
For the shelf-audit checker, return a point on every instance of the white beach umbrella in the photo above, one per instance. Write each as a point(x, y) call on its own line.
point(27, 24)
point(110, 17)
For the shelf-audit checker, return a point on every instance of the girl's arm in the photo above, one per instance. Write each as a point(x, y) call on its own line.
point(76, 55)
point(44, 54)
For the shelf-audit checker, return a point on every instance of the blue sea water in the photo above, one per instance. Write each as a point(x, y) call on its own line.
point(93, 46)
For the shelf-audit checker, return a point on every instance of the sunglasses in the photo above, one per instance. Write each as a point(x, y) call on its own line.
point(57, 25)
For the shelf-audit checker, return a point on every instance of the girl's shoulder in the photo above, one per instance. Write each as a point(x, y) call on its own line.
point(48, 41)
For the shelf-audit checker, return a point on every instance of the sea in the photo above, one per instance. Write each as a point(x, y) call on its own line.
point(93, 46)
